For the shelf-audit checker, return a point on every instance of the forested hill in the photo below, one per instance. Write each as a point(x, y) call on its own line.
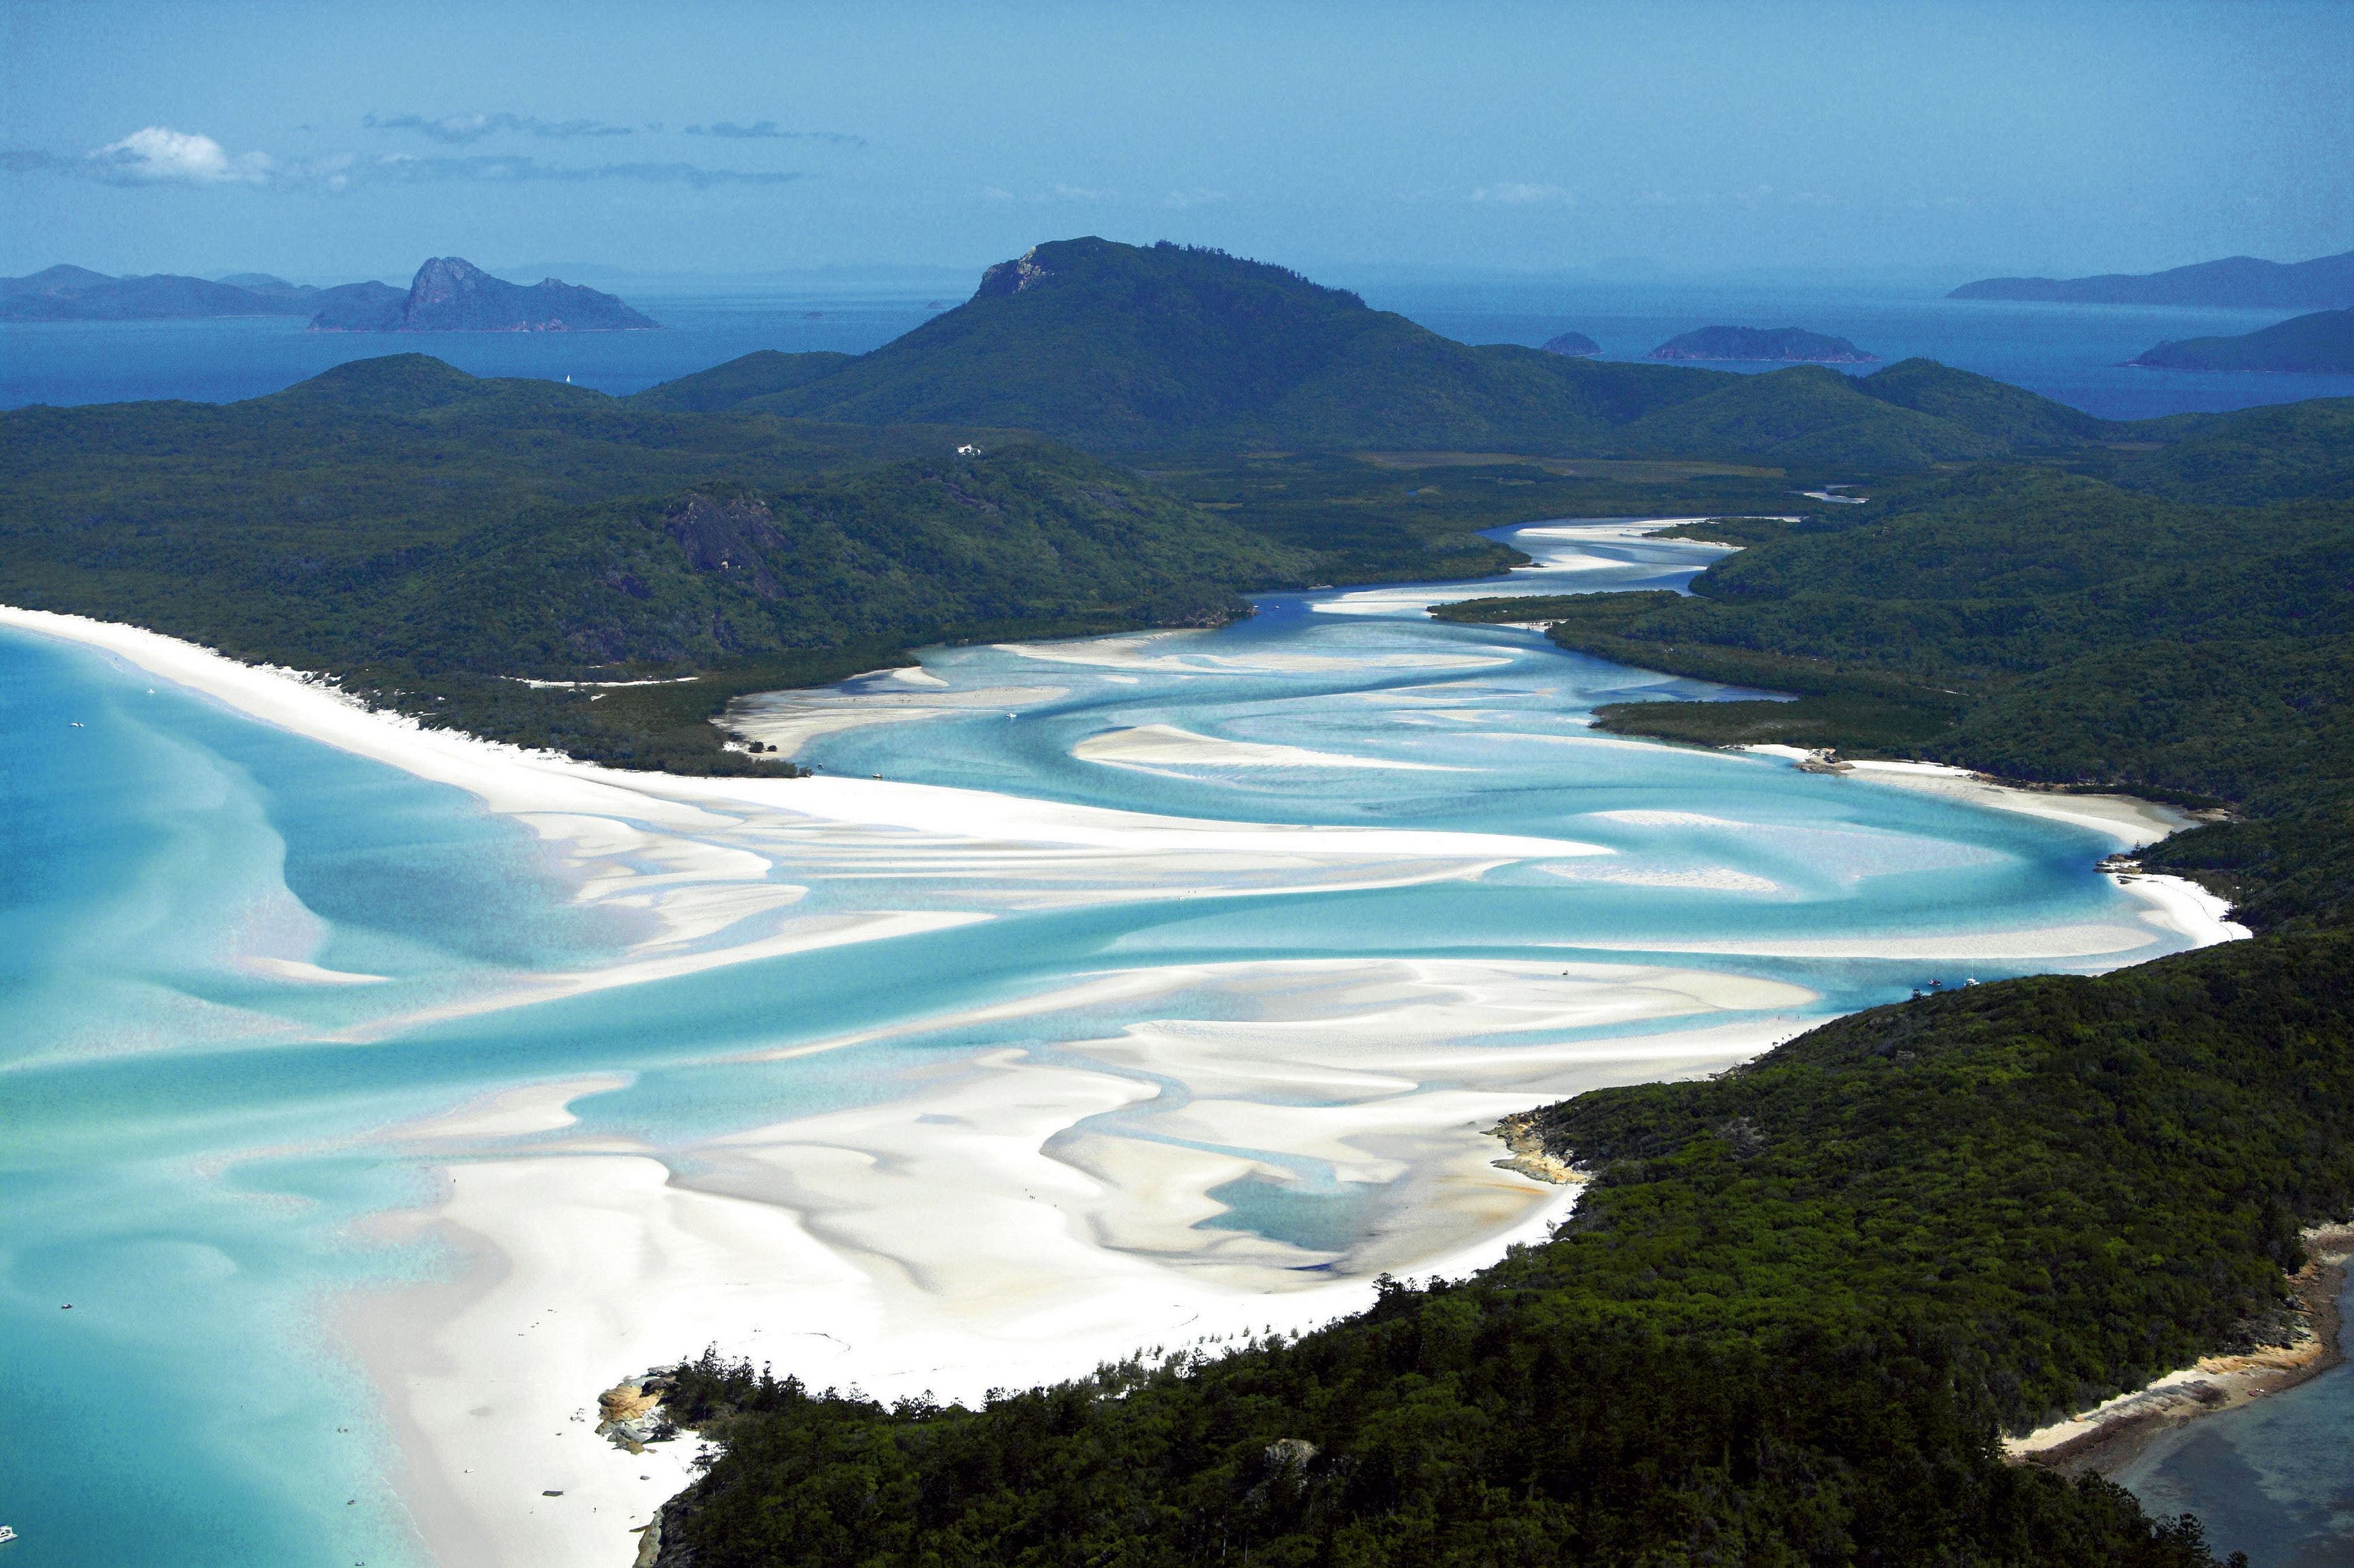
point(2179, 622)
point(437, 538)
point(1794, 1308)
point(1116, 347)
point(1797, 1303)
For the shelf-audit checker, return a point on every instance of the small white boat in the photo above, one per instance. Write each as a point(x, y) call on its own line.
point(6, 1535)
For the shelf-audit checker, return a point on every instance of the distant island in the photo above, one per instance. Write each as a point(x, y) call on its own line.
point(1572, 342)
point(452, 294)
point(2242, 282)
point(1780, 346)
point(79, 295)
point(2323, 342)
point(448, 294)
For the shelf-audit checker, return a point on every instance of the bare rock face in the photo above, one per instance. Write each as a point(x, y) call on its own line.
point(729, 537)
point(626, 1414)
point(1012, 277)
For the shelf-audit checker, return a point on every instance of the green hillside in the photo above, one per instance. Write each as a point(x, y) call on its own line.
point(2290, 452)
point(2056, 627)
point(1806, 415)
point(1115, 347)
point(435, 539)
point(1798, 1301)
point(740, 380)
point(1793, 1306)
point(1120, 348)
point(1983, 406)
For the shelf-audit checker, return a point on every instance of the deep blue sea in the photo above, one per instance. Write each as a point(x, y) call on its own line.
point(194, 1168)
point(2073, 353)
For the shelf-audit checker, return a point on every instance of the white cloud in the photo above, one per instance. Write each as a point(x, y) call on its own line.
point(158, 155)
point(1178, 201)
point(1524, 194)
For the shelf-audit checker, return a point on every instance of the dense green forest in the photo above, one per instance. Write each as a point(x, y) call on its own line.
point(2055, 626)
point(434, 540)
point(1354, 512)
point(1793, 1306)
point(1799, 1302)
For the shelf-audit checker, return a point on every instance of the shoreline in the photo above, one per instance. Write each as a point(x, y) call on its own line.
point(721, 869)
point(1005, 1217)
point(1010, 1216)
point(2111, 1435)
point(2176, 903)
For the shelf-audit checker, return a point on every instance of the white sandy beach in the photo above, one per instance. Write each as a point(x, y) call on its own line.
point(1564, 550)
point(1010, 1213)
point(1165, 746)
point(989, 1225)
point(2173, 903)
point(719, 869)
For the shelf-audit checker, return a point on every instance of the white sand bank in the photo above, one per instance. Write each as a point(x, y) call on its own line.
point(2133, 823)
point(2175, 904)
point(1561, 553)
point(1165, 746)
point(720, 871)
point(2032, 945)
point(1179, 650)
point(1000, 1217)
point(789, 720)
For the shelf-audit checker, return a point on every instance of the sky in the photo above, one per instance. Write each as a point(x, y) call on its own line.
point(326, 141)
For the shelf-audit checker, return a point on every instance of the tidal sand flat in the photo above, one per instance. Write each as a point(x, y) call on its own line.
point(1020, 1058)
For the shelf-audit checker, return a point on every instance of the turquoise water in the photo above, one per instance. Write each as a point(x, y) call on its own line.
point(2274, 1478)
point(189, 1129)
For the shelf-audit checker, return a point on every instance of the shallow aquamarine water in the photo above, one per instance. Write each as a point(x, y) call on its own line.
point(2274, 1478)
point(186, 1134)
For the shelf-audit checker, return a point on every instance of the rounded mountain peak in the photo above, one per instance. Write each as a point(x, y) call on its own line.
point(1110, 269)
